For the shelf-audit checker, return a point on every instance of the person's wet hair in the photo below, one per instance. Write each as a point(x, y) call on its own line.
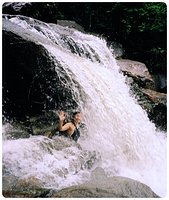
point(75, 113)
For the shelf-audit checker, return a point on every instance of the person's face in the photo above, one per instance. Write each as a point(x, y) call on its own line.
point(62, 113)
point(77, 118)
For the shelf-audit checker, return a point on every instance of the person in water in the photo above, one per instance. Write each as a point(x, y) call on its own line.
point(70, 129)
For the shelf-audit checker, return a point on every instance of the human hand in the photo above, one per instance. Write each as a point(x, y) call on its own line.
point(62, 116)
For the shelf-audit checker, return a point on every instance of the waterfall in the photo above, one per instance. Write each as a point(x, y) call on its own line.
point(119, 136)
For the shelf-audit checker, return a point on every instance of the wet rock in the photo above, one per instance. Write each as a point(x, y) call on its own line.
point(30, 187)
point(160, 82)
point(156, 97)
point(158, 111)
point(60, 143)
point(137, 71)
point(29, 182)
point(15, 131)
point(8, 181)
point(154, 103)
point(32, 79)
point(14, 7)
point(116, 49)
point(13, 135)
point(70, 24)
point(142, 88)
point(100, 186)
point(116, 187)
point(45, 124)
point(28, 193)
point(35, 10)
point(47, 12)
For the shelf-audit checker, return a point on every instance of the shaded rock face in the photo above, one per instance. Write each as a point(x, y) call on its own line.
point(45, 124)
point(116, 49)
point(142, 88)
point(160, 82)
point(14, 7)
point(30, 80)
point(43, 11)
point(157, 103)
point(15, 131)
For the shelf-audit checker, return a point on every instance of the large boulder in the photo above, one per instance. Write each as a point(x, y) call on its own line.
point(100, 186)
point(31, 82)
point(137, 71)
point(118, 189)
point(29, 187)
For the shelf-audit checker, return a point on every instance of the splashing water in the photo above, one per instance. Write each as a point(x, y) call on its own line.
point(118, 129)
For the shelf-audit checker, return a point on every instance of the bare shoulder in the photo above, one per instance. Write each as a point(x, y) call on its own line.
point(70, 125)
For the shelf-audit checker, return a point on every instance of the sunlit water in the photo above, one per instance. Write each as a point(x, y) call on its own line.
point(119, 138)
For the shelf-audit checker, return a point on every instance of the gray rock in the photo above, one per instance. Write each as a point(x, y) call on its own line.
point(15, 6)
point(154, 103)
point(70, 24)
point(116, 187)
point(156, 97)
point(31, 187)
point(15, 131)
point(157, 107)
point(142, 88)
point(160, 82)
point(8, 181)
point(137, 71)
point(99, 186)
point(45, 124)
point(116, 49)
point(28, 193)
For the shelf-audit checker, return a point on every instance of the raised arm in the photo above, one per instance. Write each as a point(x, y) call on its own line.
point(61, 120)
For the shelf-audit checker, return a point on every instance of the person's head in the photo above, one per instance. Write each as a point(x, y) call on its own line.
point(76, 117)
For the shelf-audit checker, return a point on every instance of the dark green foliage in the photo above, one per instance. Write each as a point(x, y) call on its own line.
point(140, 27)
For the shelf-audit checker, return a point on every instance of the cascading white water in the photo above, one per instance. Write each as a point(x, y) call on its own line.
point(118, 129)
